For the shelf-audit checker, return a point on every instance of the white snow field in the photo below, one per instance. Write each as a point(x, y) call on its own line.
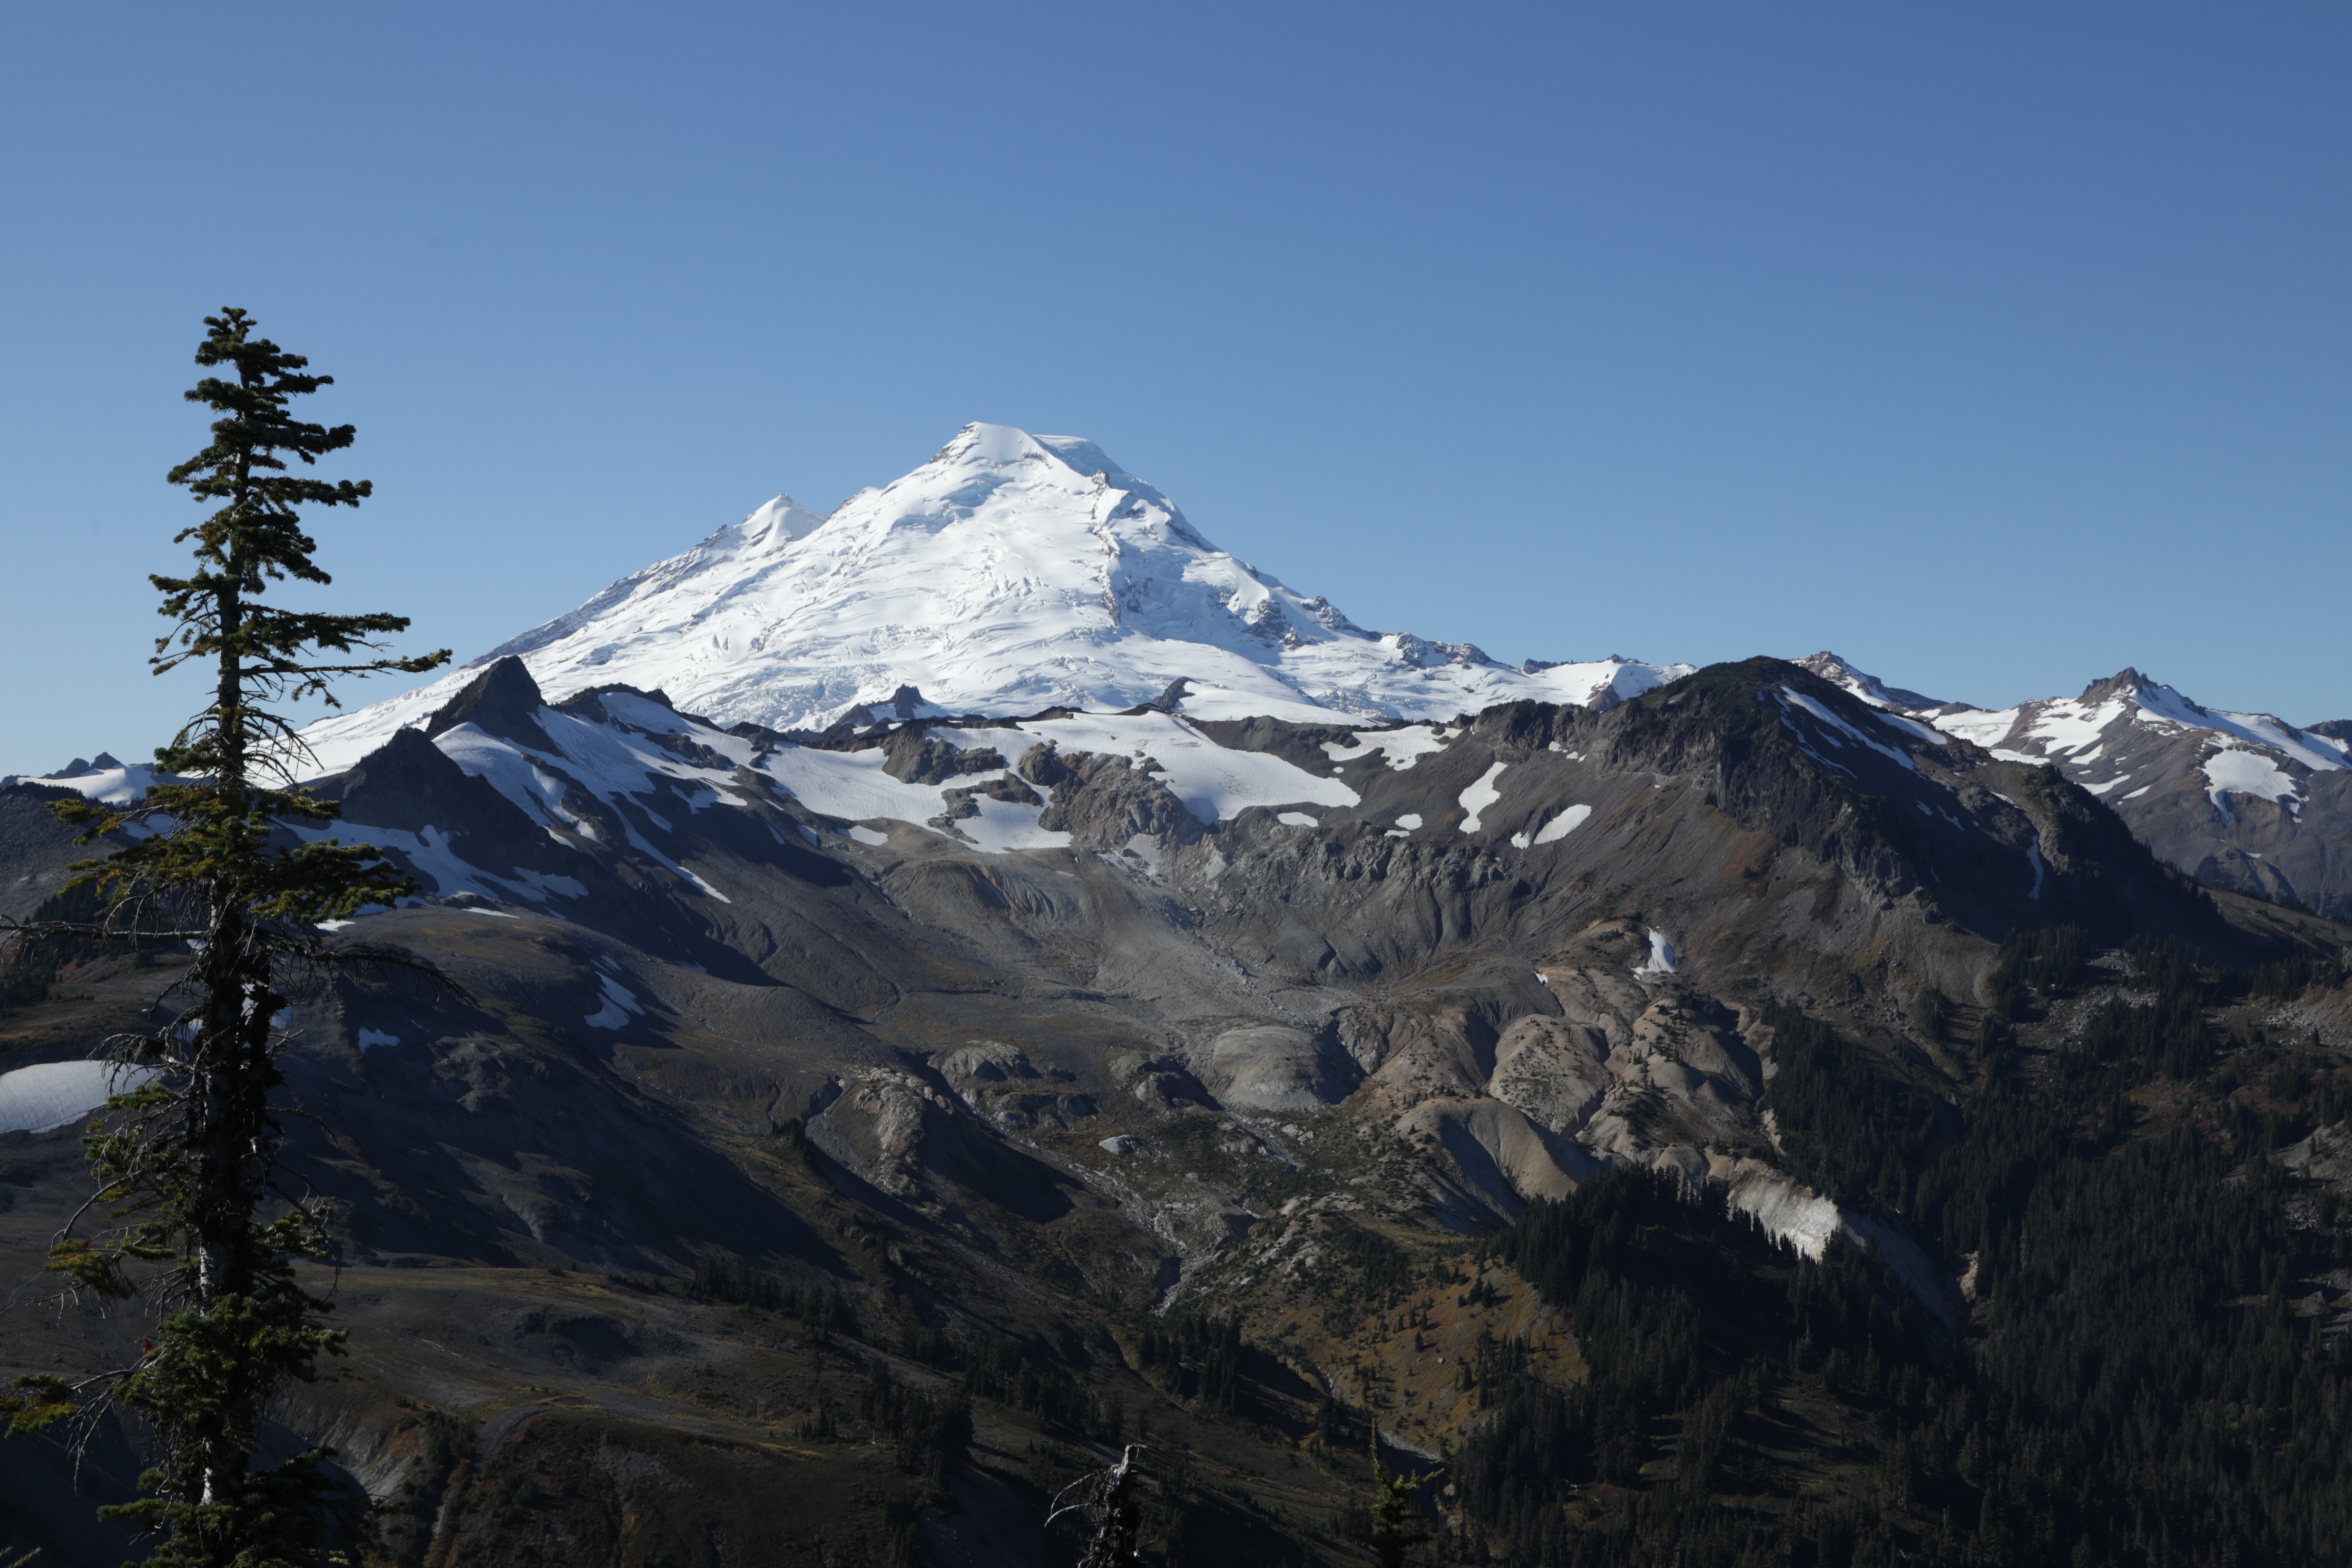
point(1009, 573)
point(51, 1095)
point(2247, 773)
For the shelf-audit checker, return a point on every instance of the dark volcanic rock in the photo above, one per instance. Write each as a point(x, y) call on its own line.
point(410, 784)
point(1103, 803)
point(504, 700)
point(913, 757)
point(36, 849)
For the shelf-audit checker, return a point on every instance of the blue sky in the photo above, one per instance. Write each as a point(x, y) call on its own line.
point(1996, 346)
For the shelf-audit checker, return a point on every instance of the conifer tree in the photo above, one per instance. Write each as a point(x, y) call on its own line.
point(1396, 1523)
point(228, 856)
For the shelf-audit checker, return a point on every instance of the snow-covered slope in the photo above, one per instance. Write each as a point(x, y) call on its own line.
point(2245, 800)
point(1009, 573)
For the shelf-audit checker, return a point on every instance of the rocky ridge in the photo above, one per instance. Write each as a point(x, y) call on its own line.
point(2243, 801)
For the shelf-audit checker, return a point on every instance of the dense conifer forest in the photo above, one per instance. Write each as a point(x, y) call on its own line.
point(2136, 1387)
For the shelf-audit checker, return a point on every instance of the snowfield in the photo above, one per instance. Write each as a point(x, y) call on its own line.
point(50, 1095)
point(1010, 573)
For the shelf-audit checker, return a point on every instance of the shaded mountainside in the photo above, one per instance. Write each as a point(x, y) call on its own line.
point(892, 1119)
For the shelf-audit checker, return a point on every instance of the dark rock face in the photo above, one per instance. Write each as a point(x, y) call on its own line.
point(503, 700)
point(1106, 803)
point(36, 849)
point(917, 758)
point(411, 784)
point(962, 804)
point(2245, 802)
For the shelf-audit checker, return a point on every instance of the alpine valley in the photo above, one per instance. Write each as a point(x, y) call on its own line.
point(939, 992)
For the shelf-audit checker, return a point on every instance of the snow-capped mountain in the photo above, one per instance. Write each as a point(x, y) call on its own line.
point(2243, 800)
point(1010, 573)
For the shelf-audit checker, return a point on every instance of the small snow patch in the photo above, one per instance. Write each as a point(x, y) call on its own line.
point(371, 1038)
point(1566, 823)
point(1298, 819)
point(620, 1002)
point(1480, 796)
point(1401, 748)
point(868, 837)
point(1662, 955)
point(2230, 771)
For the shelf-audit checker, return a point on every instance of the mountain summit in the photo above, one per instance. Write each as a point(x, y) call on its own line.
point(1009, 573)
point(2245, 801)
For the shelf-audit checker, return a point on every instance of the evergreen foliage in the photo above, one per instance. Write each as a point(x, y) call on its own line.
point(189, 1165)
point(31, 961)
point(1195, 1358)
point(2134, 1390)
point(1850, 1127)
point(1396, 1522)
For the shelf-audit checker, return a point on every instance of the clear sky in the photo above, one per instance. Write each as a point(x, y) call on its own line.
point(1994, 345)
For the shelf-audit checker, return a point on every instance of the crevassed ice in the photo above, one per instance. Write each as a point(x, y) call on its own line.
point(1007, 574)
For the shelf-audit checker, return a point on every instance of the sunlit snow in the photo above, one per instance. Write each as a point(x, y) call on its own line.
point(1009, 573)
point(1662, 955)
point(1566, 823)
point(2247, 772)
point(1478, 796)
point(1399, 748)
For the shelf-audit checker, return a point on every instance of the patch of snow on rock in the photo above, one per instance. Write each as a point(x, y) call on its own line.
point(1399, 748)
point(1478, 796)
point(1566, 823)
point(620, 1002)
point(2230, 770)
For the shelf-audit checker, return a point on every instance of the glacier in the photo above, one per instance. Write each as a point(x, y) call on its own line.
point(1009, 574)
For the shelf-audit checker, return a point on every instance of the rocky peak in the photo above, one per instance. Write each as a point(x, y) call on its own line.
point(1841, 673)
point(503, 700)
